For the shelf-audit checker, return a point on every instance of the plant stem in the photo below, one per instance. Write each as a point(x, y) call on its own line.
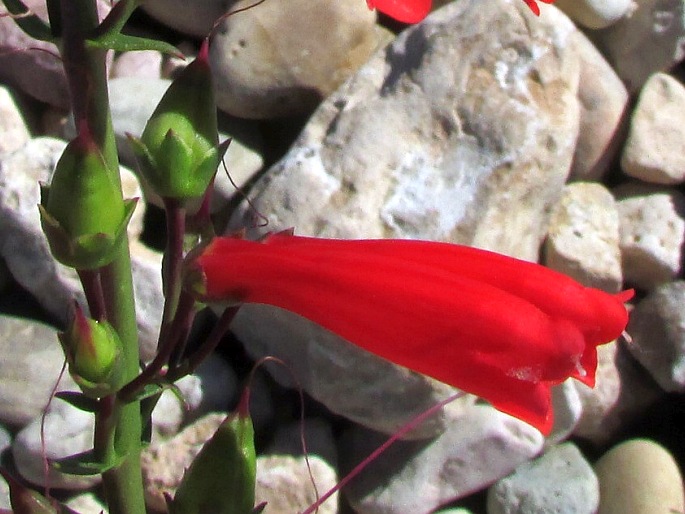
point(118, 424)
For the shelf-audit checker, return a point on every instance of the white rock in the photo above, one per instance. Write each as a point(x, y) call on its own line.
point(418, 477)
point(655, 149)
point(15, 132)
point(583, 240)
point(652, 226)
point(29, 368)
point(413, 146)
point(567, 408)
point(595, 14)
point(194, 17)
point(143, 64)
point(561, 480)
point(87, 503)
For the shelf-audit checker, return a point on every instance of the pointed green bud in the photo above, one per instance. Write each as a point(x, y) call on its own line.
point(179, 152)
point(82, 211)
point(93, 352)
point(222, 477)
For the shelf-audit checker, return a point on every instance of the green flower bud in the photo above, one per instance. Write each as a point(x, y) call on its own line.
point(93, 352)
point(82, 211)
point(179, 152)
point(222, 477)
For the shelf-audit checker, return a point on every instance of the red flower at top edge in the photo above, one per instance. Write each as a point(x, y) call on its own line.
point(413, 11)
point(534, 7)
point(504, 329)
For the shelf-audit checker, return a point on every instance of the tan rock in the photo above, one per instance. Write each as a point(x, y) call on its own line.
point(652, 222)
point(281, 58)
point(583, 240)
point(655, 149)
point(639, 477)
point(603, 105)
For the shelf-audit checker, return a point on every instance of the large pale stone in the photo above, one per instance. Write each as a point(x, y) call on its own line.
point(561, 480)
point(14, 133)
point(414, 145)
point(348, 380)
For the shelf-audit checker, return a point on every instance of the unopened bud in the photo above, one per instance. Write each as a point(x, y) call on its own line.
point(82, 211)
point(93, 351)
point(179, 152)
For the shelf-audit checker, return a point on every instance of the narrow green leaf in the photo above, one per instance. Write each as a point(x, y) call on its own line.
point(78, 400)
point(31, 23)
point(84, 463)
point(127, 43)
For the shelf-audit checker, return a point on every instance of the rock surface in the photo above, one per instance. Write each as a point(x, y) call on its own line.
point(657, 327)
point(418, 477)
point(655, 149)
point(583, 240)
point(31, 362)
point(283, 58)
point(652, 225)
point(450, 170)
point(595, 14)
point(639, 477)
point(646, 41)
point(561, 480)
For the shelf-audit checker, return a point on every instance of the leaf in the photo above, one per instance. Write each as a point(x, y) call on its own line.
point(127, 43)
point(78, 400)
point(29, 23)
point(85, 464)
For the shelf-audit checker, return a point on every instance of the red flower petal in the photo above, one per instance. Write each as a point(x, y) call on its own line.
point(406, 11)
point(534, 7)
point(501, 328)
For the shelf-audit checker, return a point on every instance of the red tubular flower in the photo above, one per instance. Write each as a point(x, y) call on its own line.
point(504, 329)
point(534, 7)
point(406, 11)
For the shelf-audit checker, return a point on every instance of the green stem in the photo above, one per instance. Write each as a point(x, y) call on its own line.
point(118, 424)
